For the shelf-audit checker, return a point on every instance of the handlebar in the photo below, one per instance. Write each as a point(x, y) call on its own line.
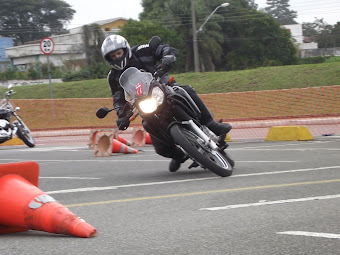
point(10, 92)
point(133, 115)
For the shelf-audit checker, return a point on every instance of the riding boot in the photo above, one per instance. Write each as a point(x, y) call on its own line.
point(219, 128)
point(176, 161)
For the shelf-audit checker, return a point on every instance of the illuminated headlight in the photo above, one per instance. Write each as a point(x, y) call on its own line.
point(150, 105)
point(158, 94)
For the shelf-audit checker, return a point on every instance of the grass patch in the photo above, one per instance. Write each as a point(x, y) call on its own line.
point(264, 78)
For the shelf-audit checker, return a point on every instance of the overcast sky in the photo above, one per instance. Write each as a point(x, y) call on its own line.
point(88, 12)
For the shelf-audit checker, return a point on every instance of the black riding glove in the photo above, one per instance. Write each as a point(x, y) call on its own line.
point(124, 122)
point(167, 63)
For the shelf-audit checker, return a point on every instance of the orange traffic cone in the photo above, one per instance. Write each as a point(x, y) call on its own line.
point(28, 207)
point(148, 138)
point(123, 140)
point(117, 146)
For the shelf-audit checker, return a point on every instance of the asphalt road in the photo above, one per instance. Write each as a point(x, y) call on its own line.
point(283, 198)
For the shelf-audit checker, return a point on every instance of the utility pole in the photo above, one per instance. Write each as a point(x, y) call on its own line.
point(194, 31)
point(194, 36)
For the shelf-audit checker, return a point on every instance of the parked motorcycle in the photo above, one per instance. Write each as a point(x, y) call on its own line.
point(17, 127)
point(170, 115)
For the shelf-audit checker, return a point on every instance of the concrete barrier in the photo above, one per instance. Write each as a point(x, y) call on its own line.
point(13, 141)
point(289, 133)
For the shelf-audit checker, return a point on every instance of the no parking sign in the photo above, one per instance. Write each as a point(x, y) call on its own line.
point(47, 45)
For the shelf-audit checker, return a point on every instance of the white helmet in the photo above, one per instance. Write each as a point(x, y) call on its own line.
point(113, 43)
point(5, 130)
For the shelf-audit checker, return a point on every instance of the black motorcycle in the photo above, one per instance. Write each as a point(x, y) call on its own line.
point(17, 127)
point(170, 115)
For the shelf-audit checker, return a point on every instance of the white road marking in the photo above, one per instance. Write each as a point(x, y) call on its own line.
point(67, 148)
point(92, 160)
point(313, 234)
point(143, 160)
point(270, 202)
point(180, 181)
point(286, 171)
point(288, 149)
point(126, 186)
point(73, 178)
point(268, 161)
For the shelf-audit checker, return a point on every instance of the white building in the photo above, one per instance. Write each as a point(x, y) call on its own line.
point(67, 47)
point(297, 33)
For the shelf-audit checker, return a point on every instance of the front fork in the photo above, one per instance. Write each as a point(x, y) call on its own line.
point(207, 140)
point(15, 126)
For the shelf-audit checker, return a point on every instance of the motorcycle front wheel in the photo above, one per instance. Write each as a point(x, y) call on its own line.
point(24, 133)
point(194, 145)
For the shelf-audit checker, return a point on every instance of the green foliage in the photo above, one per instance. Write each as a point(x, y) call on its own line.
point(336, 34)
point(140, 32)
point(256, 42)
point(95, 71)
point(152, 9)
point(332, 59)
point(29, 20)
point(235, 37)
point(33, 74)
point(279, 9)
point(327, 36)
point(311, 60)
point(12, 75)
point(93, 37)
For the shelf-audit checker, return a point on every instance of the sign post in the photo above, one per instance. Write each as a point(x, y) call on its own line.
point(47, 47)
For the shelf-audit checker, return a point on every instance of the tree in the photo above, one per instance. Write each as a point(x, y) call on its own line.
point(177, 15)
point(29, 20)
point(255, 39)
point(235, 37)
point(93, 37)
point(309, 31)
point(279, 9)
point(320, 32)
point(324, 37)
point(140, 32)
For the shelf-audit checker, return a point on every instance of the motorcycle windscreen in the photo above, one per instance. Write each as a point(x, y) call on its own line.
point(135, 83)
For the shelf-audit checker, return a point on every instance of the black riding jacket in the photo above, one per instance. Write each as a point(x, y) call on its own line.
point(143, 57)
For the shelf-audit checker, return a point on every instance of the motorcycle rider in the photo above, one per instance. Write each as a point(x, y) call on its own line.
point(118, 53)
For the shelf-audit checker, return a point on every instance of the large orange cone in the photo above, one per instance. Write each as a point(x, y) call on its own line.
point(123, 140)
point(28, 170)
point(117, 146)
point(28, 207)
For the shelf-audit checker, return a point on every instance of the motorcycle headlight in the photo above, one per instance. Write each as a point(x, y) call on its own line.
point(150, 105)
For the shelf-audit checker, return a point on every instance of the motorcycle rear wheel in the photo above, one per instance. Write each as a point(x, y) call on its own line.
point(213, 160)
point(24, 133)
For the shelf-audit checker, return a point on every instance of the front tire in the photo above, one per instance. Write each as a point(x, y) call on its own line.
point(213, 160)
point(24, 133)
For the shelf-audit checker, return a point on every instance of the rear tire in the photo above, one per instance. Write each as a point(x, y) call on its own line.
point(24, 133)
point(211, 159)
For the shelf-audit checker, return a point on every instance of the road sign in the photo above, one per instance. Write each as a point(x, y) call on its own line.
point(47, 45)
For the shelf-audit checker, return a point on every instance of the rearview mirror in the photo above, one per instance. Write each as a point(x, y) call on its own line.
point(102, 112)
